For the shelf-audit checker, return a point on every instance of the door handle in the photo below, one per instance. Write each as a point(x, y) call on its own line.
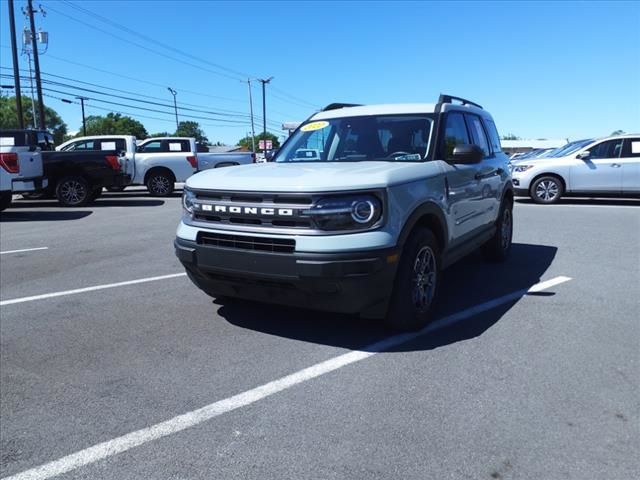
point(615, 165)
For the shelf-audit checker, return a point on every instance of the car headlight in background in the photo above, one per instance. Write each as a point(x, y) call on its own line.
point(521, 168)
point(188, 199)
point(353, 212)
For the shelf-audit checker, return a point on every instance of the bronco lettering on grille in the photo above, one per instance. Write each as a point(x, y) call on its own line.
point(279, 212)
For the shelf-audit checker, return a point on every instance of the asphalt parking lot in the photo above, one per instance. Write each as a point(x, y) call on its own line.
point(145, 377)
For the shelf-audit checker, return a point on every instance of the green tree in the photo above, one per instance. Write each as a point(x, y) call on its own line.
point(161, 134)
point(617, 132)
point(115, 124)
point(246, 141)
point(510, 136)
point(9, 117)
point(192, 129)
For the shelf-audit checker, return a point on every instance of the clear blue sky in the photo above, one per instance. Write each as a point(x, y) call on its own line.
point(543, 69)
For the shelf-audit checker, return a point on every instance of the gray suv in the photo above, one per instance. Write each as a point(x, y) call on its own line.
point(391, 196)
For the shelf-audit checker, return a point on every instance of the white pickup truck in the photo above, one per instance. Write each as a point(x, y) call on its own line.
point(155, 162)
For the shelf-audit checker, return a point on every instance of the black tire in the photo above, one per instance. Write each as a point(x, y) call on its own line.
point(546, 190)
point(115, 189)
point(497, 249)
point(415, 288)
point(160, 183)
point(5, 200)
point(96, 192)
point(73, 191)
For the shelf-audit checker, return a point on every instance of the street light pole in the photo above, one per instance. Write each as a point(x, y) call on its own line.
point(175, 104)
point(16, 67)
point(264, 114)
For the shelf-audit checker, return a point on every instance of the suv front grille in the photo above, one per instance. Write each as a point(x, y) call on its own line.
point(241, 242)
point(264, 210)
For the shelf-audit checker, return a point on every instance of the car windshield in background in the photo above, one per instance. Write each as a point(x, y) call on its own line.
point(571, 147)
point(399, 138)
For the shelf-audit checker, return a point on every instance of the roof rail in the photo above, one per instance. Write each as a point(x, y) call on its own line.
point(336, 106)
point(450, 98)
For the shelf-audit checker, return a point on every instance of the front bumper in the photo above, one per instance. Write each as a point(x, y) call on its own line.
point(20, 185)
point(338, 282)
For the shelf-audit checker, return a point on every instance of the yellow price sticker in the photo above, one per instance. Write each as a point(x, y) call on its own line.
point(310, 127)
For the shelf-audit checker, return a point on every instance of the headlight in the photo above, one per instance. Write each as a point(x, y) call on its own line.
point(188, 199)
point(353, 212)
point(521, 168)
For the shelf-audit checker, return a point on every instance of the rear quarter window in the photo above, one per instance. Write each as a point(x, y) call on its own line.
point(494, 138)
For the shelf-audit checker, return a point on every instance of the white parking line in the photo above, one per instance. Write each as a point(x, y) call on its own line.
point(181, 422)
point(88, 289)
point(24, 250)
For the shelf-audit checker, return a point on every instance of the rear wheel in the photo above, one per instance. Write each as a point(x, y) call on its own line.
point(546, 190)
point(416, 284)
point(160, 184)
point(497, 249)
point(73, 191)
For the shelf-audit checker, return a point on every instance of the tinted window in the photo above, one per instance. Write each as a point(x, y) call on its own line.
point(153, 147)
point(478, 137)
point(494, 138)
point(45, 141)
point(609, 149)
point(631, 147)
point(455, 133)
point(118, 144)
point(82, 145)
point(11, 139)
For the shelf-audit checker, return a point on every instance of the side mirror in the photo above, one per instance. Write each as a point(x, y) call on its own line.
point(584, 155)
point(467, 154)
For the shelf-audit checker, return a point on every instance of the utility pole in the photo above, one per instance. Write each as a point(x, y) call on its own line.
point(175, 105)
point(36, 63)
point(253, 132)
point(84, 121)
point(264, 114)
point(16, 67)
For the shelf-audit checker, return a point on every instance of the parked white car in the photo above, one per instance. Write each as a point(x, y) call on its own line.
point(157, 163)
point(607, 166)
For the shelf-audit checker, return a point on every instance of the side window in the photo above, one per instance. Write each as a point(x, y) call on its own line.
point(631, 147)
point(478, 136)
point(151, 147)
point(83, 145)
point(45, 141)
point(494, 138)
point(455, 133)
point(178, 146)
point(608, 149)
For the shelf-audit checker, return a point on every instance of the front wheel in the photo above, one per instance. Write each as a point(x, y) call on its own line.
point(73, 192)
point(546, 190)
point(416, 284)
point(5, 200)
point(160, 184)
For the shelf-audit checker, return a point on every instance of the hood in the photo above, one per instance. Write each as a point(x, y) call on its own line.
point(311, 177)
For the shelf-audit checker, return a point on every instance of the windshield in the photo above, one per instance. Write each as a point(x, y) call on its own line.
point(571, 147)
point(399, 138)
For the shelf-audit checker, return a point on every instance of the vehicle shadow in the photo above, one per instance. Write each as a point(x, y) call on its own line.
point(100, 202)
point(469, 283)
point(633, 202)
point(13, 216)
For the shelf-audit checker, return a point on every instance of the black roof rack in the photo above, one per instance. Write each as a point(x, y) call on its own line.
point(450, 98)
point(336, 106)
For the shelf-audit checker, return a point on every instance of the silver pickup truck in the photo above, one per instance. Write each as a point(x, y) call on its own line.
point(208, 160)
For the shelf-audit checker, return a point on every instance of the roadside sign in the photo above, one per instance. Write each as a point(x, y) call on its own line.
point(261, 145)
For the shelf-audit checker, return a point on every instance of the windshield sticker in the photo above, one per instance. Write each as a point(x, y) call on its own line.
point(310, 127)
point(635, 147)
point(108, 146)
point(174, 147)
